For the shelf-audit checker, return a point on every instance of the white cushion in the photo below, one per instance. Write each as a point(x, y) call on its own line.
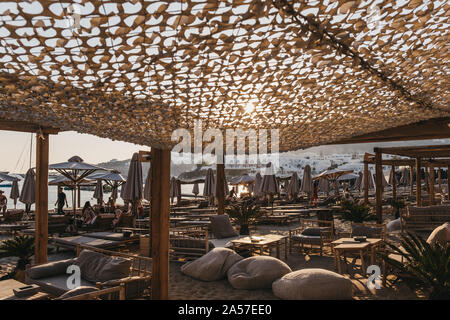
point(394, 225)
point(212, 266)
point(257, 272)
point(440, 235)
point(312, 284)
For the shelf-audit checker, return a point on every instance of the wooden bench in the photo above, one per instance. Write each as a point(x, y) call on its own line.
point(424, 218)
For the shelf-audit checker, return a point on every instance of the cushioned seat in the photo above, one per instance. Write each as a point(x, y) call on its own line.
point(221, 226)
point(57, 285)
point(256, 272)
point(92, 242)
point(114, 236)
point(212, 266)
point(311, 284)
point(440, 235)
point(306, 239)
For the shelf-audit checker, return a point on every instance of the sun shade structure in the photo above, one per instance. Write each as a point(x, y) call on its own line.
point(134, 186)
point(307, 181)
point(294, 185)
point(76, 170)
point(332, 174)
point(28, 193)
point(98, 191)
point(244, 179)
point(348, 176)
point(324, 186)
point(318, 71)
point(7, 177)
point(113, 178)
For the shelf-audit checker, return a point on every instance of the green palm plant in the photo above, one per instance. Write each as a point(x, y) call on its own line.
point(355, 212)
point(21, 247)
point(244, 214)
point(425, 266)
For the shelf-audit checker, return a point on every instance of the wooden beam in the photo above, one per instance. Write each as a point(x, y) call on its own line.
point(394, 183)
point(160, 210)
point(23, 126)
point(41, 214)
point(436, 128)
point(366, 183)
point(378, 184)
point(220, 188)
point(418, 182)
point(411, 179)
point(431, 185)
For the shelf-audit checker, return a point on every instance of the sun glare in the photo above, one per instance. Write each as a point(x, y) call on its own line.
point(250, 107)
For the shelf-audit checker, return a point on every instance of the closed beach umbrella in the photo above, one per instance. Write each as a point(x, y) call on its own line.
point(392, 176)
point(98, 191)
point(371, 182)
point(134, 187)
point(324, 186)
point(195, 189)
point(336, 187)
point(307, 182)
point(208, 188)
point(122, 190)
point(173, 189)
point(15, 194)
point(148, 185)
point(269, 184)
point(226, 191)
point(359, 181)
point(405, 177)
point(27, 194)
point(293, 187)
point(257, 187)
point(383, 180)
point(113, 178)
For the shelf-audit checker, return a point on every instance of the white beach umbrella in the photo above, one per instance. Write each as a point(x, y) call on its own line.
point(28, 192)
point(348, 176)
point(134, 187)
point(15, 194)
point(7, 177)
point(244, 179)
point(174, 188)
point(113, 178)
point(294, 187)
point(307, 182)
point(98, 191)
point(269, 184)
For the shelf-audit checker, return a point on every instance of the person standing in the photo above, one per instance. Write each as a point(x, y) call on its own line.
point(3, 202)
point(62, 199)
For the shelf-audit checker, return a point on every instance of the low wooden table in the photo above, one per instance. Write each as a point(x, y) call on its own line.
point(269, 241)
point(343, 245)
point(6, 291)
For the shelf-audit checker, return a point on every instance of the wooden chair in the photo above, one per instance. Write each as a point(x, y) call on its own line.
point(313, 232)
point(188, 243)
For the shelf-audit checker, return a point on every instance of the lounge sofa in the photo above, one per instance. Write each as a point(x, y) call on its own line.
point(99, 268)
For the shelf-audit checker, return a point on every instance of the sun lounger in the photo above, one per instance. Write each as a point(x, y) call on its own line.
point(73, 242)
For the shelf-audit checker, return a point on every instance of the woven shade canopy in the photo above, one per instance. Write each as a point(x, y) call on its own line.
point(320, 71)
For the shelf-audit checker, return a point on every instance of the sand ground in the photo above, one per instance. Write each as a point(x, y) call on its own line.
point(184, 287)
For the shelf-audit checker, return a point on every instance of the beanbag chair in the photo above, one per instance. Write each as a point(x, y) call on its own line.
point(394, 225)
point(212, 266)
point(312, 284)
point(256, 272)
point(440, 235)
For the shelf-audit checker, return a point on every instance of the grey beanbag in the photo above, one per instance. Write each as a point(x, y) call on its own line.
point(256, 272)
point(312, 284)
point(212, 266)
point(440, 235)
point(394, 225)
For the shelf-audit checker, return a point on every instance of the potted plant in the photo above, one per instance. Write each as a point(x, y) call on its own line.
point(244, 214)
point(21, 247)
point(424, 266)
point(354, 212)
point(396, 206)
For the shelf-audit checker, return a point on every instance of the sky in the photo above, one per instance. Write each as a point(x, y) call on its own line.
point(15, 155)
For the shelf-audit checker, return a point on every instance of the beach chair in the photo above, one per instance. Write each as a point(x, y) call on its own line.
point(312, 233)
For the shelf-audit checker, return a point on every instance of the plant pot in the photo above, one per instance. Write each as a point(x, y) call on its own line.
point(244, 230)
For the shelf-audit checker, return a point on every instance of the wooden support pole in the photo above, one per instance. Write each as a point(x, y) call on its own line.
point(431, 185)
point(378, 184)
point(440, 180)
point(418, 183)
point(160, 210)
point(220, 188)
point(448, 182)
point(366, 183)
point(41, 214)
point(79, 196)
point(394, 184)
point(411, 179)
point(427, 179)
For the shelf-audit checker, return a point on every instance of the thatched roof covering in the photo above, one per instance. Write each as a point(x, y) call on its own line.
point(320, 71)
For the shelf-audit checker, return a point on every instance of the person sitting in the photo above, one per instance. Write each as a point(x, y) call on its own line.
point(88, 214)
point(3, 202)
point(117, 214)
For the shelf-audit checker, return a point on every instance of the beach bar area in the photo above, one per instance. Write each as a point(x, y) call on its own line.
point(320, 73)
